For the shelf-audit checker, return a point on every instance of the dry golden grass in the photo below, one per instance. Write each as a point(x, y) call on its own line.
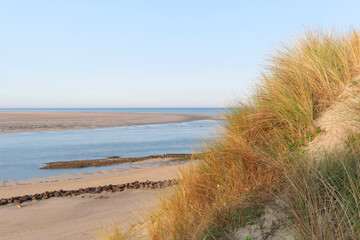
point(113, 232)
point(245, 162)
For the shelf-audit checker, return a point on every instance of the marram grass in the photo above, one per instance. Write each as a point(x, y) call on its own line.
point(323, 197)
point(245, 164)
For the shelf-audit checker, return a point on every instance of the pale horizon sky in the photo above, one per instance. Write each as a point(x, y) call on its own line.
point(147, 53)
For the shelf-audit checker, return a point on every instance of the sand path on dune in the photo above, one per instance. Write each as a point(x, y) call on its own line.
point(13, 122)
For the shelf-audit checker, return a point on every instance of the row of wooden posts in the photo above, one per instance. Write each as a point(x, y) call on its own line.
point(170, 155)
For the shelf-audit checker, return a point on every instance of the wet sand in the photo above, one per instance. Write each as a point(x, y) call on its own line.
point(14, 122)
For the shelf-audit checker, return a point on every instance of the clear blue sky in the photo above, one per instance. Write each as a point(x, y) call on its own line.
point(72, 53)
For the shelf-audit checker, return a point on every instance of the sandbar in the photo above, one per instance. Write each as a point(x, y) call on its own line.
point(117, 161)
point(15, 122)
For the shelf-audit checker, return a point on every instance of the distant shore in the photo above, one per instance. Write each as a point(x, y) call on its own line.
point(15, 122)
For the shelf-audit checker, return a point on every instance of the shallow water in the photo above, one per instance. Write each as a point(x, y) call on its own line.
point(22, 154)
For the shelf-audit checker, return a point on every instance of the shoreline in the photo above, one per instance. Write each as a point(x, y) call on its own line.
point(20, 122)
point(76, 206)
point(66, 181)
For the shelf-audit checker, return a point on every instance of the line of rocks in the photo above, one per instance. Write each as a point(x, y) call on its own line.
point(92, 190)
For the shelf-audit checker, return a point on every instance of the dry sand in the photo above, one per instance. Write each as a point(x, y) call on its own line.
point(79, 217)
point(12, 122)
point(339, 122)
point(84, 180)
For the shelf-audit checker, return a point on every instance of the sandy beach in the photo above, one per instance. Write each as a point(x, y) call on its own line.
point(82, 216)
point(84, 179)
point(14, 122)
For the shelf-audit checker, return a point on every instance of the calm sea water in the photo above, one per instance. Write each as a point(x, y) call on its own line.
point(138, 110)
point(22, 154)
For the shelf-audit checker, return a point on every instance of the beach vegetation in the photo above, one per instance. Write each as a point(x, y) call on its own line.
point(113, 232)
point(322, 197)
point(259, 155)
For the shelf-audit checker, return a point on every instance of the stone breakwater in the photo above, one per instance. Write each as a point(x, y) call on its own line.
point(90, 190)
point(111, 161)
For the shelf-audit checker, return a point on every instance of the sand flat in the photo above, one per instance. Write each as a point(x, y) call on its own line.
point(75, 181)
point(82, 216)
point(78, 217)
point(14, 122)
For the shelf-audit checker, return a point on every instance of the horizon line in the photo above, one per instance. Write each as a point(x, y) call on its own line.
point(98, 107)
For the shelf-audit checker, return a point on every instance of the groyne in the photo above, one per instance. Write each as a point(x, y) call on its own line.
point(89, 190)
point(115, 161)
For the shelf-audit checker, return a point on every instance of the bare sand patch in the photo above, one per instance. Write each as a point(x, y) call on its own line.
point(78, 217)
point(77, 181)
point(338, 122)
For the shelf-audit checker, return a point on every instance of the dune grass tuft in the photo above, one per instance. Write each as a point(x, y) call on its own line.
point(323, 197)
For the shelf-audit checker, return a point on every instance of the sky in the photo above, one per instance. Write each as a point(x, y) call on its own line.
point(147, 53)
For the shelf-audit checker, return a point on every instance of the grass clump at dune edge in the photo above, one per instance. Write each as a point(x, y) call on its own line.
point(253, 155)
point(323, 200)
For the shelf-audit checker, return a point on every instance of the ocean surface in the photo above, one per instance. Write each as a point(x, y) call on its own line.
point(22, 154)
point(137, 110)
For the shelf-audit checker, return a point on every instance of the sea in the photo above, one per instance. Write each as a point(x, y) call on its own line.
point(22, 154)
point(132, 110)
